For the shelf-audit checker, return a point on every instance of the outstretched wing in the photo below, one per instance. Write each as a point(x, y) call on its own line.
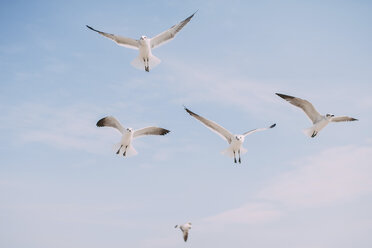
point(306, 106)
point(258, 129)
point(110, 121)
point(150, 131)
point(213, 126)
point(168, 35)
point(342, 118)
point(120, 40)
point(185, 235)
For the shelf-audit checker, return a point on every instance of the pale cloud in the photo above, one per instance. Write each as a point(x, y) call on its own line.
point(334, 176)
point(250, 213)
point(200, 84)
point(71, 127)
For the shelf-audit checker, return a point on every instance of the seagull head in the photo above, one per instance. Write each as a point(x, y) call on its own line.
point(239, 138)
point(129, 130)
point(143, 37)
point(328, 116)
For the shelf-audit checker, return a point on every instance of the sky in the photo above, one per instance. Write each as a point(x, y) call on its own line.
point(62, 185)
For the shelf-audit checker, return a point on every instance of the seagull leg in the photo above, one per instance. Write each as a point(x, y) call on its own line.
point(146, 67)
point(125, 152)
point(239, 157)
point(314, 134)
point(119, 149)
point(234, 157)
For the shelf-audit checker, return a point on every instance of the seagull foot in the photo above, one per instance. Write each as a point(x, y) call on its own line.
point(147, 68)
point(240, 161)
point(314, 134)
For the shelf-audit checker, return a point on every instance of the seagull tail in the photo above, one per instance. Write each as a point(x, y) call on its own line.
point(153, 61)
point(138, 63)
point(131, 151)
point(310, 132)
point(228, 152)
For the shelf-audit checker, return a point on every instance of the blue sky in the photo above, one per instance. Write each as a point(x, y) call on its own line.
point(61, 185)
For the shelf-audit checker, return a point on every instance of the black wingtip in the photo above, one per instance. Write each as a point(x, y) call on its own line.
point(284, 96)
point(164, 132)
point(273, 125)
point(100, 123)
point(95, 30)
point(188, 110)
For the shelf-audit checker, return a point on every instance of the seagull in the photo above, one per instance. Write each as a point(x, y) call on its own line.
point(185, 229)
point(145, 58)
point(129, 134)
point(235, 141)
point(319, 121)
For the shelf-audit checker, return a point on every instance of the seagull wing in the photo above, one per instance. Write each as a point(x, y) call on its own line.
point(306, 106)
point(185, 234)
point(169, 35)
point(110, 121)
point(150, 131)
point(342, 118)
point(120, 40)
point(213, 126)
point(258, 129)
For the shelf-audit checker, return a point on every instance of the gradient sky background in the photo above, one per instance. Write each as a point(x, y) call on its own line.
point(61, 185)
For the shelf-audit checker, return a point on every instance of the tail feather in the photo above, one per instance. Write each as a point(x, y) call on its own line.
point(310, 132)
point(140, 64)
point(130, 151)
point(154, 61)
point(230, 151)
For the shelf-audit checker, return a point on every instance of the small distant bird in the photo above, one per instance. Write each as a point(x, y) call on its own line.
point(235, 141)
point(129, 134)
point(319, 121)
point(145, 45)
point(185, 229)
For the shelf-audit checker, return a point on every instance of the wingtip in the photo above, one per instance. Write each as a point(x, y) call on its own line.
point(187, 110)
point(165, 131)
point(284, 96)
point(100, 123)
point(273, 125)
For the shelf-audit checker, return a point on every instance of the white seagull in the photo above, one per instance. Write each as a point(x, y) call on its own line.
point(185, 229)
point(145, 58)
point(235, 140)
point(319, 121)
point(129, 134)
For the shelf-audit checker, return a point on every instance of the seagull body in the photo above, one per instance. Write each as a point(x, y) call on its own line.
point(128, 134)
point(146, 59)
point(235, 140)
point(185, 229)
point(319, 121)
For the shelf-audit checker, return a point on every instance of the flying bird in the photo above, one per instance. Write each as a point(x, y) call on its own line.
point(319, 121)
point(128, 134)
point(185, 229)
point(235, 141)
point(146, 60)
